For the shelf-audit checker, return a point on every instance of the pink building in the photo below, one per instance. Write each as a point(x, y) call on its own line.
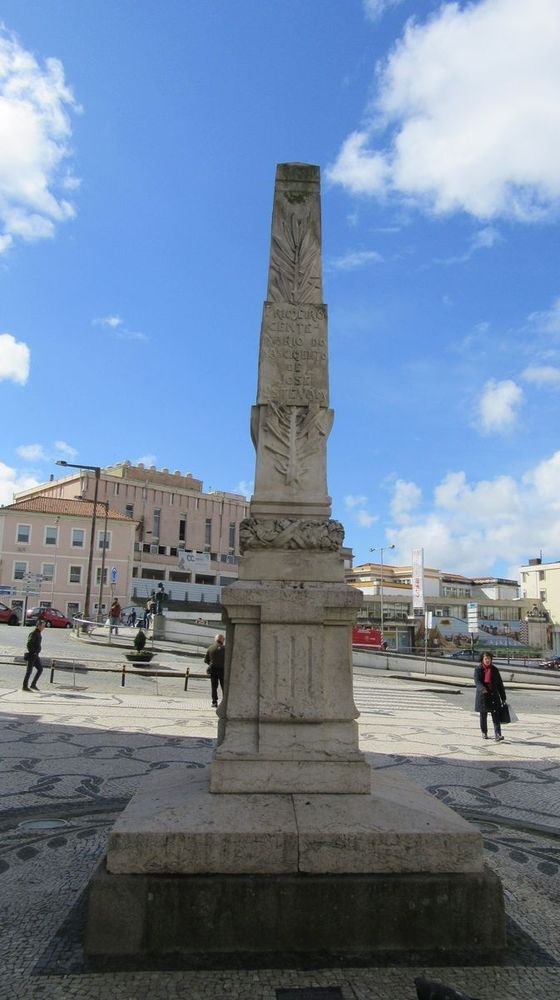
point(44, 554)
point(186, 538)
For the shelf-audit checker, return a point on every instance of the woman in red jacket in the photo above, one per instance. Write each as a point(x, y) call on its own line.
point(490, 695)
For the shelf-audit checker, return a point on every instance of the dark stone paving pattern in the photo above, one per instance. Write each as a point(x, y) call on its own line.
point(78, 757)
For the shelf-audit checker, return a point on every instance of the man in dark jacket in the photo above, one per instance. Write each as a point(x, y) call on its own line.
point(32, 656)
point(490, 695)
point(215, 658)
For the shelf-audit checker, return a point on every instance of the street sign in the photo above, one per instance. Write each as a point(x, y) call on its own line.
point(114, 574)
point(7, 590)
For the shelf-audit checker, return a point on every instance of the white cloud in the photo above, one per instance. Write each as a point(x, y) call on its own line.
point(373, 9)
point(38, 453)
point(31, 452)
point(357, 505)
point(498, 405)
point(245, 488)
point(66, 449)
point(364, 519)
point(542, 375)
point(13, 481)
point(358, 169)
point(14, 358)
point(473, 525)
point(545, 480)
point(117, 324)
point(35, 135)
point(355, 501)
point(406, 497)
point(354, 259)
point(147, 460)
point(547, 321)
point(111, 321)
point(484, 239)
point(467, 116)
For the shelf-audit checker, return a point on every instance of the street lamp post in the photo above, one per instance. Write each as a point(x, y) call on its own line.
point(97, 471)
point(105, 504)
point(381, 550)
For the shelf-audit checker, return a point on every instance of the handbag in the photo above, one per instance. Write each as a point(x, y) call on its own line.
point(507, 714)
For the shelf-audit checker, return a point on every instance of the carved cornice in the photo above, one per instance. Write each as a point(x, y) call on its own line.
point(289, 533)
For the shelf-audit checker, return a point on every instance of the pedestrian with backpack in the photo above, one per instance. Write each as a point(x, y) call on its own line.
point(32, 656)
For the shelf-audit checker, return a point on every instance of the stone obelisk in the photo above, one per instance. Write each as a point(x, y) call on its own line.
point(288, 716)
point(288, 842)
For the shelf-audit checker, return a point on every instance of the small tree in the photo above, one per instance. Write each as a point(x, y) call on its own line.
point(139, 640)
point(140, 655)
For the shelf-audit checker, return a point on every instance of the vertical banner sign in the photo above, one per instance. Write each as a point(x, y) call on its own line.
point(417, 580)
point(472, 616)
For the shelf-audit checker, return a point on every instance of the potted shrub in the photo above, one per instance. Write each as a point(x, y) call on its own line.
point(141, 655)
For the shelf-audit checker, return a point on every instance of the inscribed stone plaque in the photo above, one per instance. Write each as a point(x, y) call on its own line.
point(293, 362)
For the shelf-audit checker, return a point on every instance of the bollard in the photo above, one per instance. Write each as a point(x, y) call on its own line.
point(52, 670)
point(123, 675)
point(187, 672)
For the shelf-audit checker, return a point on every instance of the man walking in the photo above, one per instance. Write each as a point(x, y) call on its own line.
point(114, 616)
point(32, 656)
point(215, 658)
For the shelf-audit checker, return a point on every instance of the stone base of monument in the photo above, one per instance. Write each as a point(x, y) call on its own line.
point(192, 873)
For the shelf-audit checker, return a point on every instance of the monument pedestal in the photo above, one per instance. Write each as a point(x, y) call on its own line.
point(287, 843)
point(192, 873)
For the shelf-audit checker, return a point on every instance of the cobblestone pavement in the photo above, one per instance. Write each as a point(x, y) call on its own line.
point(73, 755)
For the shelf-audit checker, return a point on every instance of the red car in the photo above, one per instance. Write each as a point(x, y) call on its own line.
point(8, 615)
point(52, 617)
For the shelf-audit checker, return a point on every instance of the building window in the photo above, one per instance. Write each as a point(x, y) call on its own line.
point(47, 570)
point(75, 574)
point(51, 536)
point(129, 510)
point(104, 540)
point(182, 529)
point(541, 574)
point(72, 609)
point(116, 489)
point(171, 499)
point(78, 538)
point(207, 534)
point(231, 537)
point(542, 595)
point(20, 569)
point(156, 523)
point(98, 576)
point(23, 534)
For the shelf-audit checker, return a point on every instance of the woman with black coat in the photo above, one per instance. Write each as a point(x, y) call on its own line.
point(490, 695)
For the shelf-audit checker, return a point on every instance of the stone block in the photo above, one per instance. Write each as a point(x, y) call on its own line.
point(333, 917)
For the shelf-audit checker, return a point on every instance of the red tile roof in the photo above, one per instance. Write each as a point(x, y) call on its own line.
point(59, 505)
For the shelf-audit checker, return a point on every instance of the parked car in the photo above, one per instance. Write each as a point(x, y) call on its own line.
point(52, 617)
point(466, 654)
point(551, 664)
point(8, 615)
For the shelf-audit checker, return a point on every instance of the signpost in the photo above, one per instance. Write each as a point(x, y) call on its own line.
point(31, 587)
point(428, 620)
point(472, 621)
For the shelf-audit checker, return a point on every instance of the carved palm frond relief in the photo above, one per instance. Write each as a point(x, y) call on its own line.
point(294, 434)
point(294, 262)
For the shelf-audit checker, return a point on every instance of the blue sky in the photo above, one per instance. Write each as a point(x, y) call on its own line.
point(138, 145)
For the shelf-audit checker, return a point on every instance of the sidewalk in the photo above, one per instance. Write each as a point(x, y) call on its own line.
point(72, 759)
